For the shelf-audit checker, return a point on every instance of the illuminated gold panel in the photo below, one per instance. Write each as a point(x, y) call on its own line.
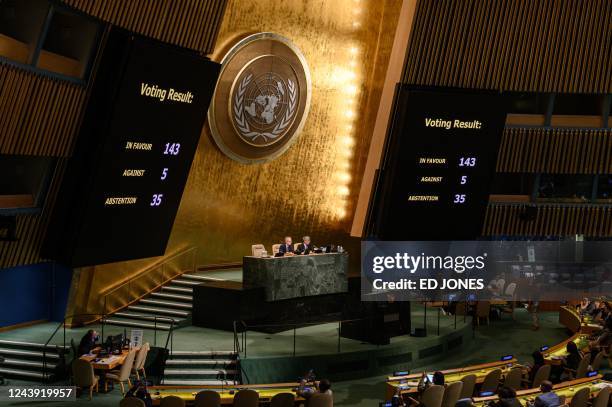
point(312, 188)
point(228, 206)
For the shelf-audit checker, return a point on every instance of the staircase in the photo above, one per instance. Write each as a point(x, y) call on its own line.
point(174, 300)
point(202, 368)
point(24, 360)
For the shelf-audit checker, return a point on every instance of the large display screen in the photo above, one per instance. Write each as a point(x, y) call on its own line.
point(440, 157)
point(141, 130)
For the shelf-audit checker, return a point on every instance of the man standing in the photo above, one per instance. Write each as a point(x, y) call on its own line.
point(286, 247)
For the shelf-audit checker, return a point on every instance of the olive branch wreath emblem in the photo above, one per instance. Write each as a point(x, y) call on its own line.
point(242, 124)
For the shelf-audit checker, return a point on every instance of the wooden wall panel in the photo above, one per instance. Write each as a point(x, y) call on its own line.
point(31, 228)
point(518, 45)
point(551, 219)
point(191, 24)
point(38, 114)
point(556, 150)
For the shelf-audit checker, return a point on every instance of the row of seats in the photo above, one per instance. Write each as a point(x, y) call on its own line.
point(503, 289)
point(243, 398)
point(514, 380)
point(440, 396)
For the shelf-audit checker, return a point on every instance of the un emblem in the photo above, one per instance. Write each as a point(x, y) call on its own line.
point(265, 87)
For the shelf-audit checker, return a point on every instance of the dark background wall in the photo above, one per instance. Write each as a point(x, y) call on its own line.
point(34, 292)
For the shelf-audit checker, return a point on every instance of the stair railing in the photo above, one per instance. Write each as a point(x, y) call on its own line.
point(149, 280)
point(240, 343)
point(45, 373)
point(236, 343)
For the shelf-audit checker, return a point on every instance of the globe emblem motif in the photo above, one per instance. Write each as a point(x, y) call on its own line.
point(263, 106)
point(264, 99)
point(261, 100)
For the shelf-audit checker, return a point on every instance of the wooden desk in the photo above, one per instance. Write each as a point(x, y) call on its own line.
point(409, 382)
point(572, 320)
point(565, 389)
point(188, 393)
point(107, 363)
point(555, 354)
point(569, 318)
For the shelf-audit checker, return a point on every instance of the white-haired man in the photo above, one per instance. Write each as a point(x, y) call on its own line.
point(306, 246)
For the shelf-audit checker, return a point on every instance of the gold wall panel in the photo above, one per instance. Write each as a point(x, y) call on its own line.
point(228, 206)
point(312, 188)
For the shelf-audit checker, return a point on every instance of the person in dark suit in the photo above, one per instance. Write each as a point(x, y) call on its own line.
point(306, 246)
point(507, 398)
point(538, 362)
point(88, 342)
point(286, 247)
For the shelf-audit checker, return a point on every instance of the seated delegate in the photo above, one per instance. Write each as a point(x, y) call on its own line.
point(323, 387)
point(306, 246)
point(424, 383)
point(538, 362)
point(286, 248)
point(88, 342)
point(507, 398)
point(548, 398)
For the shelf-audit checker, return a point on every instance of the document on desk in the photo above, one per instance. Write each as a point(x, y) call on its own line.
point(108, 360)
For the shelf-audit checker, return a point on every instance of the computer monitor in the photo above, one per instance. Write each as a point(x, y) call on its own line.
point(117, 342)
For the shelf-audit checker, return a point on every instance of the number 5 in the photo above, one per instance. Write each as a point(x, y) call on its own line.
point(463, 179)
point(164, 174)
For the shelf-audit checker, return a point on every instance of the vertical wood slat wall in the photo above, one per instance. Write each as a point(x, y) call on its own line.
point(555, 151)
point(517, 45)
point(551, 219)
point(192, 24)
point(38, 114)
point(31, 228)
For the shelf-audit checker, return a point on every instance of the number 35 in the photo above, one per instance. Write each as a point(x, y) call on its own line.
point(157, 199)
point(459, 198)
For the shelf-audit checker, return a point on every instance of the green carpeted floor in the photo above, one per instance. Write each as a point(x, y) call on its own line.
point(490, 342)
point(315, 339)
